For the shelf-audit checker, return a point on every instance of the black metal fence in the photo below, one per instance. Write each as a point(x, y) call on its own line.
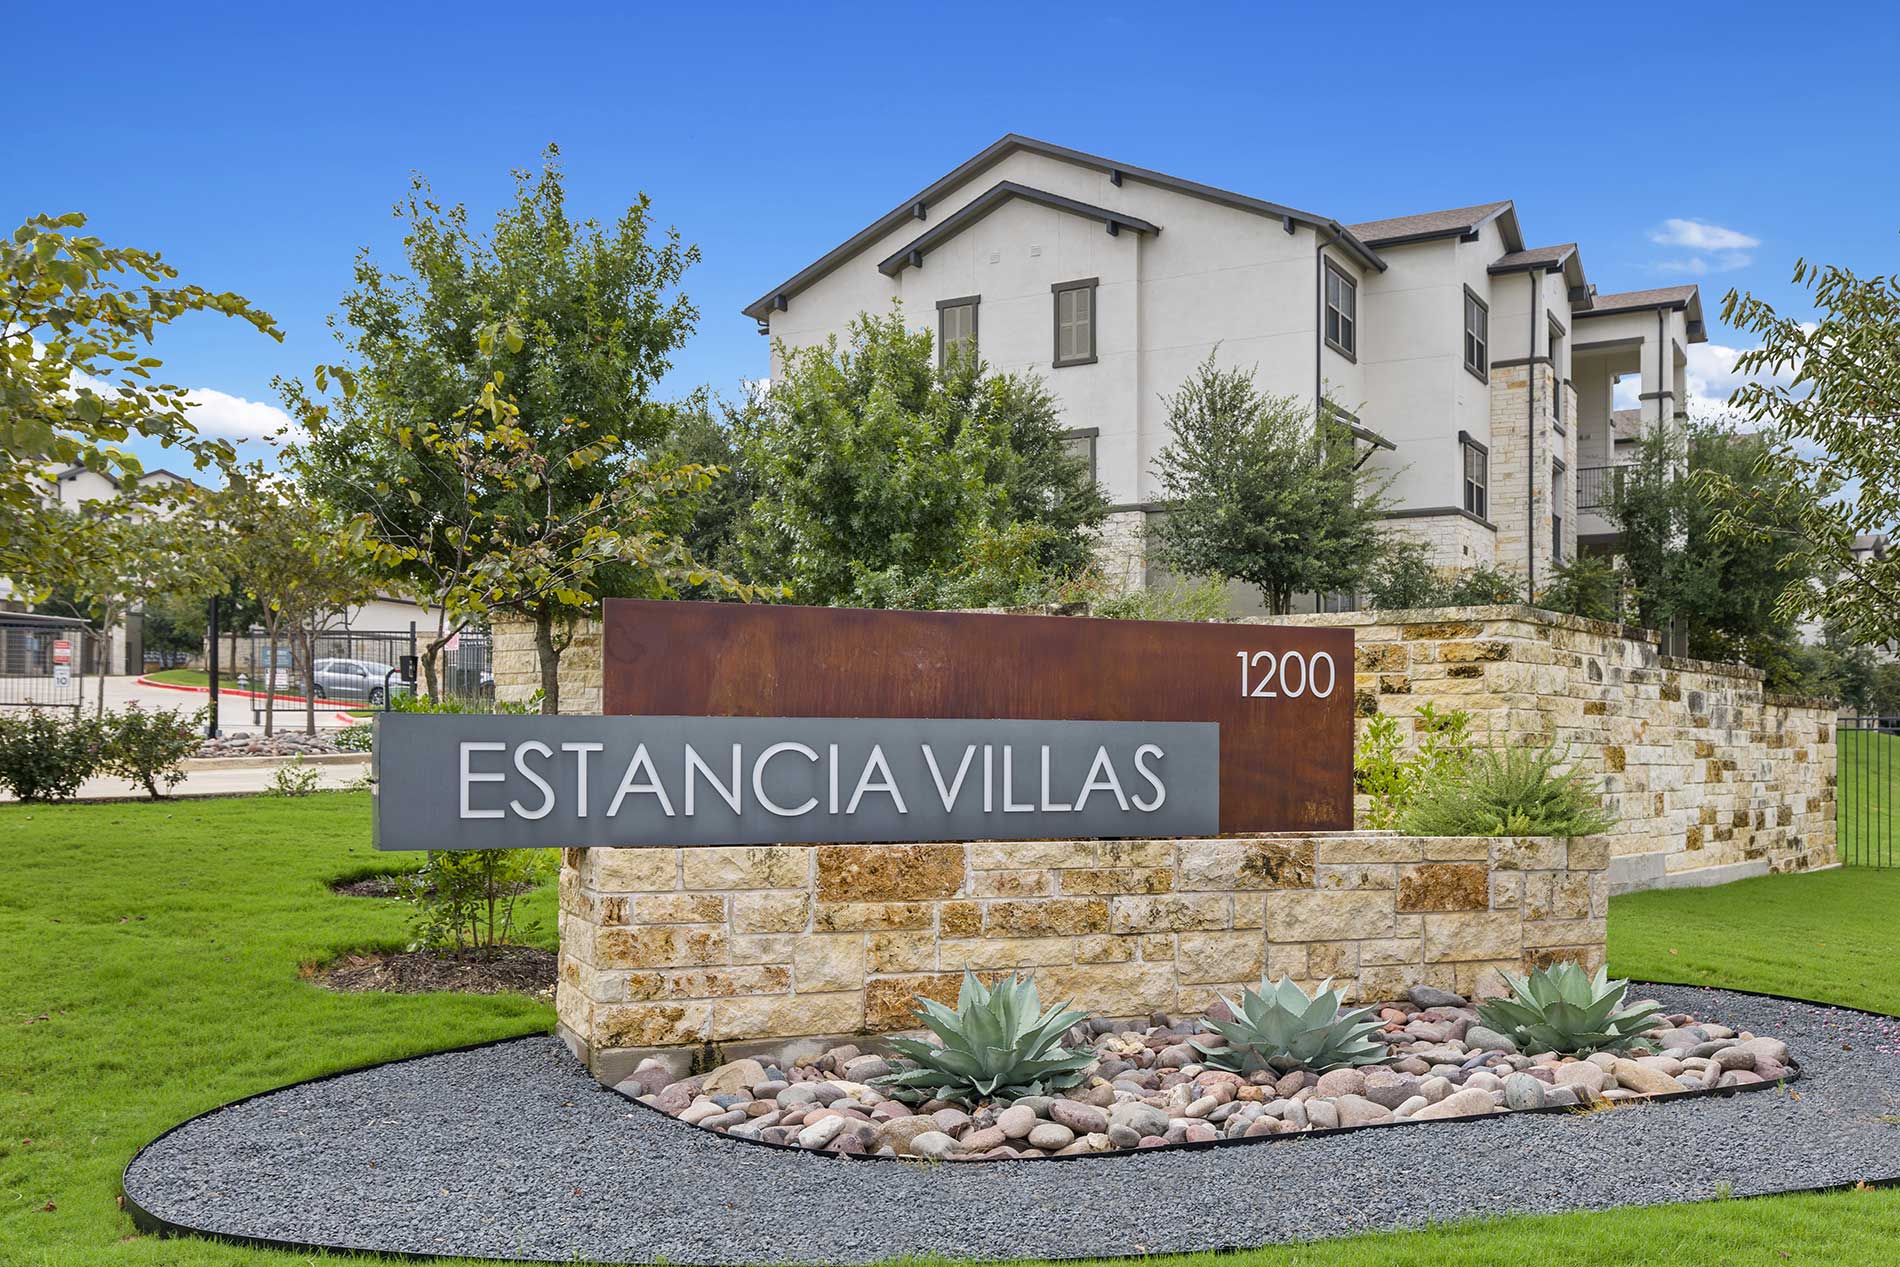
point(357, 666)
point(45, 661)
point(1868, 778)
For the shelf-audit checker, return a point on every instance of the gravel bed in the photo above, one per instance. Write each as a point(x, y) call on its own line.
point(513, 1151)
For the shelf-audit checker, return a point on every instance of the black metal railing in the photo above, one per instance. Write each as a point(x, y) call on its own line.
point(1867, 757)
point(1597, 486)
point(45, 660)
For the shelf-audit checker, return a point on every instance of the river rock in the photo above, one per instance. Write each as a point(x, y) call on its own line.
point(1338, 1082)
point(1523, 1092)
point(1018, 1120)
point(1050, 1136)
point(1642, 1078)
point(1144, 1119)
point(1083, 1119)
point(1468, 1102)
point(1432, 996)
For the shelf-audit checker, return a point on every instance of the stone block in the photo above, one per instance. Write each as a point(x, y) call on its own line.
point(1173, 913)
point(1528, 853)
point(1032, 883)
point(890, 1002)
point(1331, 850)
point(1135, 853)
point(1007, 954)
point(707, 983)
point(1051, 917)
point(1105, 949)
point(659, 946)
point(1444, 886)
point(866, 917)
point(1246, 864)
point(777, 912)
point(631, 870)
point(1020, 855)
point(1472, 936)
point(959, 919)
point(1339, 915)
point(889, 873)
point(787, 1015)
point(1209, 957)
point(759, 867)
point(900, 952)
point(649, 1024)
point(764, 948)
point(834, 962)
point(1120, 989)
point(675, 908)
point(1115, 881)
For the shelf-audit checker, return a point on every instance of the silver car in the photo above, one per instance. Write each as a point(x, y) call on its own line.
point(356, 680)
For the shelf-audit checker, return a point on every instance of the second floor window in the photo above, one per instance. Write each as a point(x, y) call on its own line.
point(1557, 373)
point(1342, 311)
point(1477, 481)
point(1080, 443)
point(1477, 336)
point(1075, 322)
point(956, 329)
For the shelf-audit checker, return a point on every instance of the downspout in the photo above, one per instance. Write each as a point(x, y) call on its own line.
point(1530, 446)
point(1320, 243)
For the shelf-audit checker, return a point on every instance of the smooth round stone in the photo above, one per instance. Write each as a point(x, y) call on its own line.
point(820, 1133)
point(1016, 1121)
point(1338, 1082)
point(1200, 1133)
point(935, 1145)
point(1051, 1136)
point(1123, 1136)
point(982, 1141)
point(1201, 1107)
point(1479, 1038)
point(1523, 1092)
point(1083, 1119)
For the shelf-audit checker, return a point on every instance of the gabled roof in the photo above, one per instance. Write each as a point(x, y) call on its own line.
point(1452, 223)
point(1550, 259)
point(995, 196)
point(917, 207)
point(1686, 298)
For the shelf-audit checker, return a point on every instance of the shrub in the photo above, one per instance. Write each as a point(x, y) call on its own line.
point(150, 748)
point(294, 778)
point(1391, 776)
point(1585, 586)
point(998, 1043)
point(1485, 587)
point(45, 756)
point(356, 738)
point(464, 900)
point(1562, 1009)
point(1201, 600)
point(1278, 1027)
point(1515, 791)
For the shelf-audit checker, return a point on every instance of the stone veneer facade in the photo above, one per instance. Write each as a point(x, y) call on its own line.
point(677, 949)
point(1711, 777)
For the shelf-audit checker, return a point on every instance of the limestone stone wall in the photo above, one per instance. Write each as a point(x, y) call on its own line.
point(1712, 778)
point(678, 948)
point(518, 667)
point(1457, 542)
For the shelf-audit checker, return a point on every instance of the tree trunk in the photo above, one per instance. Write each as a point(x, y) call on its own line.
point(310, 677)
point(549, 656)
point(270, 682)
point(105, 659)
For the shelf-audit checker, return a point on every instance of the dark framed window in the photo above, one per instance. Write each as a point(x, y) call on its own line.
point(1476, 460)
point(1081, 443)
point(956, 328)
point(1477, 336)
point(1342, 312)
point(1557, 373)
point(1075, 322)
point(1557, 511)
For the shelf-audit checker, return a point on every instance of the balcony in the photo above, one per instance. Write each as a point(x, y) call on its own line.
point(1597, 486)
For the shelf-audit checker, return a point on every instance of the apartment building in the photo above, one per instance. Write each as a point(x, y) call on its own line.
point(1476, 369)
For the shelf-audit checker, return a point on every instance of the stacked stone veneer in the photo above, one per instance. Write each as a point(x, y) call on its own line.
point(678, 948)
point(1711, 777)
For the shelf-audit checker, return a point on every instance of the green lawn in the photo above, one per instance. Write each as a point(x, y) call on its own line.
point(1868, 792)
point(148, 960)
point(187, 677)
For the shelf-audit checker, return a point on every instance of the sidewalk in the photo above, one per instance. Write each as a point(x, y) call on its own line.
point(229, 776)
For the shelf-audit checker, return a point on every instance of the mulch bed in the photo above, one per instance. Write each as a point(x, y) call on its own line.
point(368, 886)
point(509, 970)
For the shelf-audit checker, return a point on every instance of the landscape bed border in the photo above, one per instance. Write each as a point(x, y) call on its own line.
point(145, 1221)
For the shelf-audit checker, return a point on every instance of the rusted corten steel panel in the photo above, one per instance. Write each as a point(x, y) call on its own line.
point(1286, 757)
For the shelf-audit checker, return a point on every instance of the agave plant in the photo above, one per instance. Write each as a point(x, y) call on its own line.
point(998, 1044)
point(1278, 1027)
point(1564, 1009)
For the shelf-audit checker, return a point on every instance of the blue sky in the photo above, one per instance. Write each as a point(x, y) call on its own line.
point(259, 147)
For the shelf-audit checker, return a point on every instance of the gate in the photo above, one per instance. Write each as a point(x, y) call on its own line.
point(44, 660)
point(1868, 778)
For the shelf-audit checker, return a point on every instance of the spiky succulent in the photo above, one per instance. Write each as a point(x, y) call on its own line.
point(1278, 1027)
point(1564, 1009)
point(998, 1044)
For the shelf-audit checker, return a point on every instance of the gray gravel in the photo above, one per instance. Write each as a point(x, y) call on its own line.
point(514, 1152)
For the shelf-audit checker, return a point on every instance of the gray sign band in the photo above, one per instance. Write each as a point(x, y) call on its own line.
point(446, 781)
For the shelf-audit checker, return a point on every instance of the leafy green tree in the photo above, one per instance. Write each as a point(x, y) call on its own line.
point(1585, 586)
point(76, 317)
point(1259, 490)
point(705, 435)
point(881, 479)
point(557, 329)
point(1831, 469)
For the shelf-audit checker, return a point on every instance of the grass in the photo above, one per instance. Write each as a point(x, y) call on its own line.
point(186, 677)
point(148, 971)
point(1868, 792)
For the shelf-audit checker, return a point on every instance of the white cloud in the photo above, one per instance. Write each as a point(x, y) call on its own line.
point(1726, 249)
point(229, 417)
point(1700, 235)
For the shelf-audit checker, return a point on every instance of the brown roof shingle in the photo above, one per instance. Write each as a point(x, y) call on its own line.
point(1427, 224)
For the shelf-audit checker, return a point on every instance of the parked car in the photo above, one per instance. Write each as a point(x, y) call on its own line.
point(357, 680)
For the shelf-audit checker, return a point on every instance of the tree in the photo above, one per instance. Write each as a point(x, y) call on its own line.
point(883, 479)
point(1831, 467)
point(284, 550)
point(1722, 589)
point(113, 556)
point(75, 316)
point(1259, 490)
point(568, 324)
